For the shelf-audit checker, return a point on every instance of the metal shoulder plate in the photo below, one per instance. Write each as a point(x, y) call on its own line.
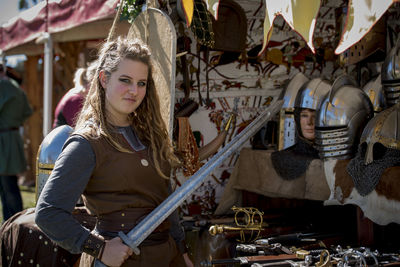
point(48, 152)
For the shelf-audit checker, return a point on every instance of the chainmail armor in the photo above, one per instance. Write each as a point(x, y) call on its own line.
point(291, 163)
point(366, 177)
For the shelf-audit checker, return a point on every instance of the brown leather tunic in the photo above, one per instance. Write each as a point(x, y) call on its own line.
point(120, 180)
point(125, 181)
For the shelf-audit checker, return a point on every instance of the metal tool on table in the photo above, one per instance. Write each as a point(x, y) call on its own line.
point(249, 260)
point(291, 239)
point(251, 221)
point(275, 248)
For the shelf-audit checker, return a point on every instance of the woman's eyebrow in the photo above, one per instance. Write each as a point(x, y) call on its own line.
point(125, 76)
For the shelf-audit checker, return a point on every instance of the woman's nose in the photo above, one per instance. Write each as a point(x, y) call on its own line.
point(133, 89)
point(310, 120)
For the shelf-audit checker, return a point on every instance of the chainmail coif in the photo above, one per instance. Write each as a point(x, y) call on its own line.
point(293, 162)
point(366, 177)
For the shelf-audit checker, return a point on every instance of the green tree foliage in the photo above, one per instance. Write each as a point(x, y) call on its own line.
point(25, 4)
point(131, 9)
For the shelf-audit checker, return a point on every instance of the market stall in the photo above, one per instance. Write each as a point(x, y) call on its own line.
point(231, 70)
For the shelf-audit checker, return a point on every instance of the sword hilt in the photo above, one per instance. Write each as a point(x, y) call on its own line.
point(127, 241)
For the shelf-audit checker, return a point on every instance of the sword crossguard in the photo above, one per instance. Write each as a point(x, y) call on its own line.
point(128, 242)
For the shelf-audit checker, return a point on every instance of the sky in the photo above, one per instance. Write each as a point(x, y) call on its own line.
point(9, 9)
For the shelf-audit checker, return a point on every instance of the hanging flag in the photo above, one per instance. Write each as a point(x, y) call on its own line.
point(361, 17)
point(299, 14)
point(212, 7)
point(188, 7)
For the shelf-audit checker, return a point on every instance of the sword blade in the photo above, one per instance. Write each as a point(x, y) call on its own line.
point(141, 231)
point(159, 214)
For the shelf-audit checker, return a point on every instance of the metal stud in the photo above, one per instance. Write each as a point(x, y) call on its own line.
point(144, 162)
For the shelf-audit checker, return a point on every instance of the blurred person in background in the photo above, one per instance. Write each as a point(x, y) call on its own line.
point(14, 110)
point(71, 103)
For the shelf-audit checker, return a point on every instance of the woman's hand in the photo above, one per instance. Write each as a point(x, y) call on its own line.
point(188, 262)
point(115, 252)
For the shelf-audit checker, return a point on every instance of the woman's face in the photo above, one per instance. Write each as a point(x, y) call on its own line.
point(125, 90)
point(307, 123)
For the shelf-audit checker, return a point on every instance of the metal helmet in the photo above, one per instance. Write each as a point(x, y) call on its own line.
point(384, 128)
point(292, 90)
point(287, 125)
point(374, 90)
point(48, 152)
point(343, 113)
point(390, 75)
point(311, 94)
point(378, 151)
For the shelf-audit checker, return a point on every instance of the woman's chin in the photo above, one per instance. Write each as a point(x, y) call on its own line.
point(309, 137)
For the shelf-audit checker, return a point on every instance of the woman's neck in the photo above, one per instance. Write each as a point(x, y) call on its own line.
point(118, 122)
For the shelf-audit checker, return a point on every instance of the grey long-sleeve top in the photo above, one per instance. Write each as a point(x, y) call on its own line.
point(67, 182)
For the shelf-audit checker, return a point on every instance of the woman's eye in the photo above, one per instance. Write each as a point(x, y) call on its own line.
point(125, 80)
point(141, 84)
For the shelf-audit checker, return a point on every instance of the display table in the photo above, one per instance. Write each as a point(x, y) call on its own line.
point(255, 173)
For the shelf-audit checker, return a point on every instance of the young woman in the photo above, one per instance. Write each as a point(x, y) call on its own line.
point(118, 158)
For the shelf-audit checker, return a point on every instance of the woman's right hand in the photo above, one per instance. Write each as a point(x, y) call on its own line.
point(115, 252)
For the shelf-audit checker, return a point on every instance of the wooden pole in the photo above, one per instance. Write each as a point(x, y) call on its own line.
point(33, 126)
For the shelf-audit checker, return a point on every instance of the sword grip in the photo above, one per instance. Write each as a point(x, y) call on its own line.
point(127, 241)
point(98, 263)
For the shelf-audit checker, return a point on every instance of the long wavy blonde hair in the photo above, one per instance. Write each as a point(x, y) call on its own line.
point(146, 119)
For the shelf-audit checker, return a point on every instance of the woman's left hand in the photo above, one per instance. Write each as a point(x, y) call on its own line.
point(188, 261)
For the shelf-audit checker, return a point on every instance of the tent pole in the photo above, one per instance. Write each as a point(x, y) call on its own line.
point(48, 85)
point(48, 77)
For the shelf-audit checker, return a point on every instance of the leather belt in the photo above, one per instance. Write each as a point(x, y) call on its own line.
point(112, 223)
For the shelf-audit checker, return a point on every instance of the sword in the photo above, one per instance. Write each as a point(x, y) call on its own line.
point(141, 231)
point(249, 260)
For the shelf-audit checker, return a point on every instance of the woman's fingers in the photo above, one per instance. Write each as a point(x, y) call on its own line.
point(115, 252)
